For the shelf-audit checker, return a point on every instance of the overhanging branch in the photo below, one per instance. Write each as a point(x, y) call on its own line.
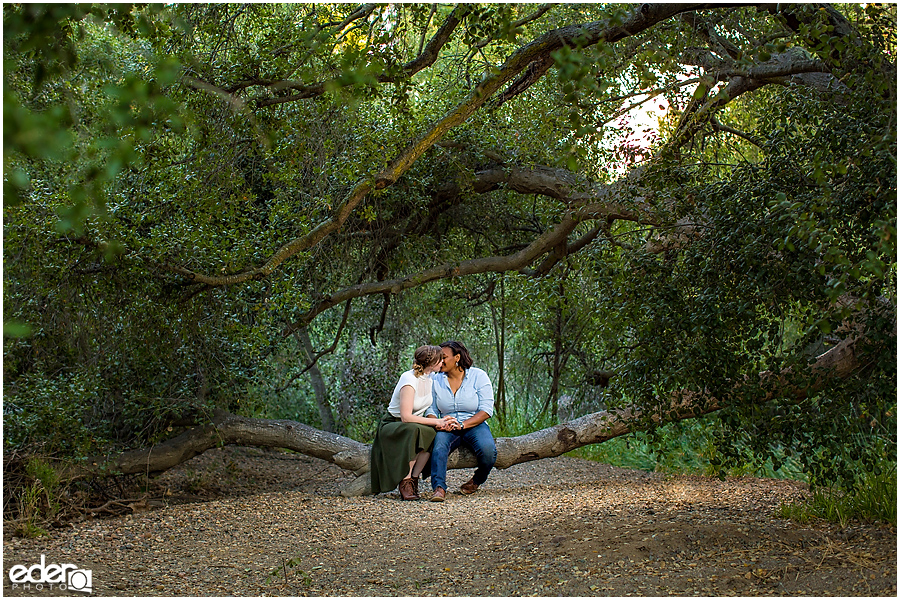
point(587, 203)
point(638, 20)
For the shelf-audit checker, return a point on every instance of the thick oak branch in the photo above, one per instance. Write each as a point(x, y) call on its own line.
point(841, 361)
point(640, 19)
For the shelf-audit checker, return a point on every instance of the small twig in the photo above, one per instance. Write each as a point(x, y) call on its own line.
point(425, 29)
point(717, 126)
point(319, 355)
point(105, 508)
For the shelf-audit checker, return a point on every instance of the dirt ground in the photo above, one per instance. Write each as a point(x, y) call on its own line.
point(250, 522)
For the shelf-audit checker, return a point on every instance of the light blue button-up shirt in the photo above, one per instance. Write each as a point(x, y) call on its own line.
point(474, 394)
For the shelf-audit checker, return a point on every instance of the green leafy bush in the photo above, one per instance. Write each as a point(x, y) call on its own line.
point(872, 499)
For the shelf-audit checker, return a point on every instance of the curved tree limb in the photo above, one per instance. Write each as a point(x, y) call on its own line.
point(228, 429)
point(546, 242)
point(639, 20)
point(559, 184)
point(561, 251)
point(705, 109)
point(555, 183)
point(431, 14)
point(537, 68)
point(361, 12)
point(289, 249)
point(708, 32)
point(717, 126)
point(376, 329)
point(839, 57)
point(592, 33)
point(468, 267)
point(596, 428)
point(429, 54)
point(540, 12)
point(782, 68)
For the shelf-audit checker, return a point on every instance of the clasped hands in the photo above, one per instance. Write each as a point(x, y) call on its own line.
point(448, 424)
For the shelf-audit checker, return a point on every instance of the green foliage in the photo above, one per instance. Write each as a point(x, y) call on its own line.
point(519, 422)
point(305, 578)
point(748, 300)
point(45, 476)
point(873, 499)
point(680, 448)
point(51, 411)
point(38, 502)
point(142, 141)
point(66, 104)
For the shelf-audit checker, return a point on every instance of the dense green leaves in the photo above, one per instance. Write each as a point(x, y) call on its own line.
point(749, 233)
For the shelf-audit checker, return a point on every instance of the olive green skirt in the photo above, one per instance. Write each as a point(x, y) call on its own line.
point(396, 444)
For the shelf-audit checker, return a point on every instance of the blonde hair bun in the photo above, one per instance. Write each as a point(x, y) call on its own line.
point(424, 357)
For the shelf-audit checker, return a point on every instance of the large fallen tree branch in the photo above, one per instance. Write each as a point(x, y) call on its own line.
point(228, 429)
point(602, 426)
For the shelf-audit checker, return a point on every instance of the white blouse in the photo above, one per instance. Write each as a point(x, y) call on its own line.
point(421, 400)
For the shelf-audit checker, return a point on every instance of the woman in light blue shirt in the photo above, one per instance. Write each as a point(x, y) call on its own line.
point(404, 436)
point(465, 393)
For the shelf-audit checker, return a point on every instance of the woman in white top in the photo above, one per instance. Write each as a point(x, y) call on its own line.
point(405, 435)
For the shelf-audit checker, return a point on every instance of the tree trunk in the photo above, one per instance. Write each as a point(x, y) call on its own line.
point(556, 363)
point(840, 361)
point(318, 382)
point(500, 344)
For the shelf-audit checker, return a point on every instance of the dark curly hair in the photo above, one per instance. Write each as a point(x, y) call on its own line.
point(465, 361)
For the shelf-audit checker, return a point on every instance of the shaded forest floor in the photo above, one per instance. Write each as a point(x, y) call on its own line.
point(250, 522)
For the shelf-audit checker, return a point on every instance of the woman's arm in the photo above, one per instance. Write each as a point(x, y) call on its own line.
point(484, 398)
point(407, 398)
point(477, 419)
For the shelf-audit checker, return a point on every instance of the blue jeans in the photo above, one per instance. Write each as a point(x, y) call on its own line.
point(478, 439)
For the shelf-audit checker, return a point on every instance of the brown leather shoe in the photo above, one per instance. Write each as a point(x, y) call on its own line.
point(439, 495)
point(406, 490)
point(469, 487)
point(415, 487)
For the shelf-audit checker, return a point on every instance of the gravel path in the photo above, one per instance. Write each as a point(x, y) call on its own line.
point(275, 526)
